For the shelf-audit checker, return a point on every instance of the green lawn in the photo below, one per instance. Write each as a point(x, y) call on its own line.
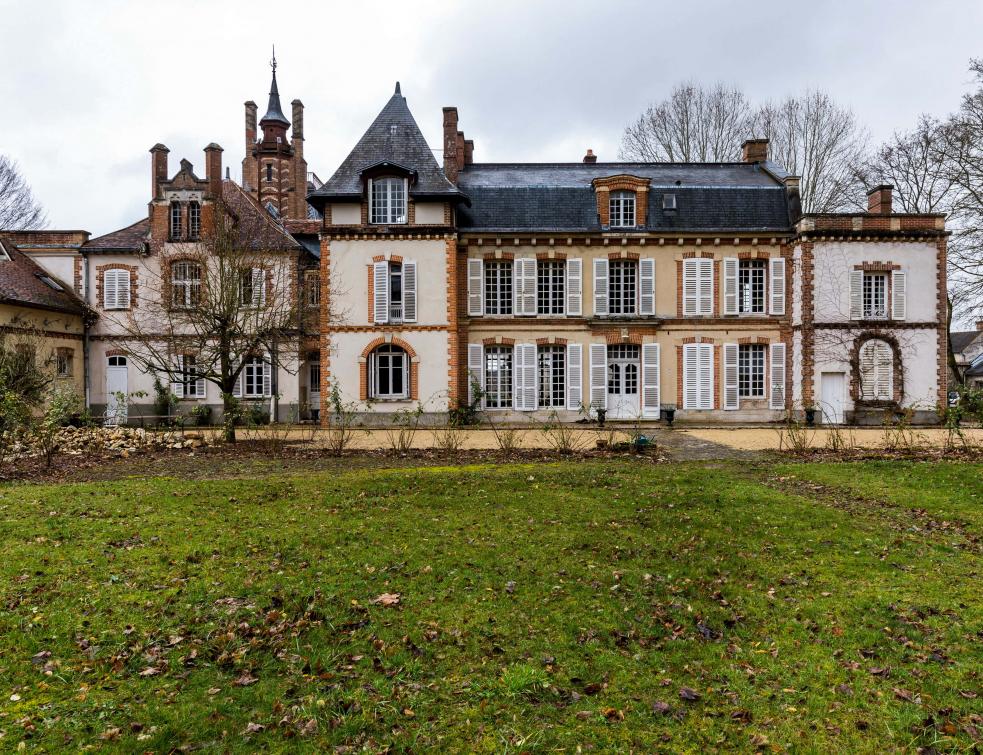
point(541, 607)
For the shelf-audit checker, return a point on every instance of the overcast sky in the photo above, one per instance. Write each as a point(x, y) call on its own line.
point(88, 87)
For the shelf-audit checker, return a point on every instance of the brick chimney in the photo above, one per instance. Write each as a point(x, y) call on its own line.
point(468, 151)
point(213, 169)
point(453, 152)
point(297, 132)
point(158, 168)
point(754, 150)
point(590, 157)
point(879, 200)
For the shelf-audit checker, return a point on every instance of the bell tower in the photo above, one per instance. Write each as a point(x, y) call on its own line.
point(274, 170)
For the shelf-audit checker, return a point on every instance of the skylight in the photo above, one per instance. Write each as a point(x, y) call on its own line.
point(51, 282)
point(3, 253)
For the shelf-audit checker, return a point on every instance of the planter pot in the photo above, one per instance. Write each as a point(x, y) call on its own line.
point(810, 417)
point(670, 416)
point(601, 414)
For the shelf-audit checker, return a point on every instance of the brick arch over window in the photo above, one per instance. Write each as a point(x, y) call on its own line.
point(168, 276)
point(363, 366)
point(604, 186)
point(897, 377)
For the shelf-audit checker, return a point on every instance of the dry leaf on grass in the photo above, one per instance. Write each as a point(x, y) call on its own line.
point(387, 599)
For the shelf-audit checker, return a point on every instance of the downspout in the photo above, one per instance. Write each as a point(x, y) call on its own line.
point(275, 379)
point(86, 367)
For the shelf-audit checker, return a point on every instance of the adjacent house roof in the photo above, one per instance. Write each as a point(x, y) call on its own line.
point(25, 283)
point(393, 138)
point(257, 230)
point(962, 339)
point(560, 196)
point(130, 239)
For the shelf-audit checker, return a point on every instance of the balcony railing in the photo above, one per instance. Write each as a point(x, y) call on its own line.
point(395, 313)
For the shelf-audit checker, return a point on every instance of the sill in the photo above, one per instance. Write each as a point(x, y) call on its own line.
point(389, 399)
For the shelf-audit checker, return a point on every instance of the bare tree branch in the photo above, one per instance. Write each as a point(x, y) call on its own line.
point(18, 209)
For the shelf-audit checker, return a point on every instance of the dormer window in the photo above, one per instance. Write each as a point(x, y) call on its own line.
point(194, 221)
point(387, 200)
point(175, 221)
point(622, 209)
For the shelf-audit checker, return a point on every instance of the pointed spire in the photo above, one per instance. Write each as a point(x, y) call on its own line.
point(397, 92)
point(274, 112)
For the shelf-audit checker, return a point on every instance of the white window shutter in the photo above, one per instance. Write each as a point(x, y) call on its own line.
point(646, 289)
point(899, 295)
point(575, 286)
point(524, 377)
point(777, 364)
point(856, 294)
point(776, 279)
point(884, 373)
point(600, 292)
point(732, 398)
point(575, 376)
point(109, 290)
point(517, 299)
point(380, 291)
point(706, 286)
point(409, 292)
point(199, 385)
point(691, 396)
point(651, 399)
point(177, 386)
point(123, 289)
point(476, 279)
point(599, 374)
point(476, 368)
point(528, 285)
point(259, 287)
point(731, 267)
point(237, 386)
point(690, 288)
point(706, 376)
point(267, 378)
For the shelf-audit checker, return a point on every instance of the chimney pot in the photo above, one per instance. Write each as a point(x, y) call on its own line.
point(590, 157)
point(754, 150)
point(213, 169)
point(158, 168)
point(879, 200)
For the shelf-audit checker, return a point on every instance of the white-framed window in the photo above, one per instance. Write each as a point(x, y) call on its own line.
point(387, 200)
point(395, 292)
point(751, 277)
point(551, 286)
point(389, 373)
point(192, 384)
point(253, 377)
point(875, 296)
point(876, 370)
point(751, 370)
point(551, 366)
point(116, 289)
point(64, 361)
point(185, 284)
point(252, 287)
point(621, 209)
point(194, 220)
point(175, 224)
point(498, 377)
point(498, 287)
point(313, 280)
point(622, 287)
point(314, 377)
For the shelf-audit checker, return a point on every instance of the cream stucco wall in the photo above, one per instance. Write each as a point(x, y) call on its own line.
point(47, 332)
point(346, 213)
point(429, 213)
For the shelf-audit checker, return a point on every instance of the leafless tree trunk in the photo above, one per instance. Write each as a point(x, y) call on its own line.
point(18, 209)
point(813, 137)
point(695, 124)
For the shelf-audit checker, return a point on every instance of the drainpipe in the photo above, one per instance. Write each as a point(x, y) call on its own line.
point(86, 367)
point(275, 379)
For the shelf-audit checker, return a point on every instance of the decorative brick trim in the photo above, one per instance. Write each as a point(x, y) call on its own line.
point(325, 334)
point(134, 281)
point(551, 341)
point(396, 258)
point(745, 255)
point(615, 337)
point(624, 255)
point(411, 211)
point(43, 333)
point(754, 340)
point(689, 255)
point(698, 339)
point(363, 365)
point(77, 273)
point(942, 311)
point(624, 182)
point(679, 288)
point(498, 341)
point(394, 327)
point(371, 289)
point(453, 339)
point(807, 278)
point(116, 352)
point(877, 267)
point(706, 255)
point(498, 256)
point(679, 377)
point(897, 384)
point(379, 258)
point(550, 256)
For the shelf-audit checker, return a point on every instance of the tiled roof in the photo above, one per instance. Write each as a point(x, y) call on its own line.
point(129, 239)
point(719, 197)
point(257, 229)
point(961, 339)
point(393, 137)
point(21, 283)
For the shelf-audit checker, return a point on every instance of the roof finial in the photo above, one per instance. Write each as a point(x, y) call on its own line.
point(397, 89)
point(273, 61)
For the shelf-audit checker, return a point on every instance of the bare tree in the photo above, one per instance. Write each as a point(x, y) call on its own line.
point(222, 301)
point(695, 124)
point(813, 137)
point(18, 209)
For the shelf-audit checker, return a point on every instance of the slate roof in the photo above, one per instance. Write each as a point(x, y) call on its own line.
point(560, 197)
point(961, 339)
point(393, 137)
point(274, 112)
point(21, 284)
point(129, 239)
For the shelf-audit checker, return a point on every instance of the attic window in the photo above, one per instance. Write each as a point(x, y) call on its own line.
point(387, 200)
point(50, 282)
point(622, 209)
point(668, 201)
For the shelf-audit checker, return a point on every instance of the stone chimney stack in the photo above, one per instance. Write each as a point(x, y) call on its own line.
point(590, 157)
point(453, 153)
point(468, 151)
point(213, 169)
point(159, 168)
point(879, 200)
point(754, 150)
point(297, 134)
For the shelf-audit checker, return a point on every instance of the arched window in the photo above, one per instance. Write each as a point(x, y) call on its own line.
point(185, 284)
point(876, 364)
point(622, 209)
point(269, 172)
point(175, 221)
point(194, 220)
point(387, 200)
point(389, 373)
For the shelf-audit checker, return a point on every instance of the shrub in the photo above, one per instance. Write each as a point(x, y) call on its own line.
point(341, 423)
point(405, 424)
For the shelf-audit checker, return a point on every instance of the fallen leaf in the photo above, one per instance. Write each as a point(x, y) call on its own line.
point(252, 728)
point(583, 715)
point(510, 587)
point(689, 694)
point(408, 712)
point(613, 714)
point(968, 694)
point(908, 697)
point(150, 671)
point(744, 716)
point(387, 599)
point(245, 680)
point(661, 708)
point(214, 690)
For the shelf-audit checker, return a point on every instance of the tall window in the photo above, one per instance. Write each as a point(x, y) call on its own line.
point(185, 284)
point(498, 377)
point(875, 296)
point(751, 286)
point(622, 209)
point(876, 370)
point(551, 277)
point(395, 292)
point(269, 172)
point(622, 281)
point(175, 221)
point(194, 220)
point(253, 375)
point(389, 373)
point(116, 289)
point(552, 376)
point(315, 377)
point(64, 360)
point(251, 287)
point(190, 378)
point(313, 280)
point(388, 200)
point(498, 287)
point(751, 370)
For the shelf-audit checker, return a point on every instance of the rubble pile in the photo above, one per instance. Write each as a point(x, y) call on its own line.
point(118, 441)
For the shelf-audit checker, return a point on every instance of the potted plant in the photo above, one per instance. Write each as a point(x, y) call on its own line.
point(202, 414)
point(669, 410)
point(601, 415)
